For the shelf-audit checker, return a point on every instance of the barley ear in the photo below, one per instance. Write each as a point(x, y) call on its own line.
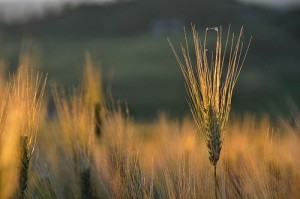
point(210, 82)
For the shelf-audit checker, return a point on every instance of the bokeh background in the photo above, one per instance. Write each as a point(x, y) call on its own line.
point(128, 39)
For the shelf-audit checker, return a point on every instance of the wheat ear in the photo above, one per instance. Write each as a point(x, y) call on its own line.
point(25, 160)
point(209, 89)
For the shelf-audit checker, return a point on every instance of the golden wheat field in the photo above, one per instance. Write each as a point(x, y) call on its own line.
point(93, 148)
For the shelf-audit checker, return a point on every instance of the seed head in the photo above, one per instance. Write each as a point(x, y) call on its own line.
point(210, 82)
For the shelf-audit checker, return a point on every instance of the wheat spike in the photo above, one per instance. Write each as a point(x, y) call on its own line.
point(209, 89)
point(25, 160)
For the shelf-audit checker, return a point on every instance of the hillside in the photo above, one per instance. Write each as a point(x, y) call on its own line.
point(129, 40)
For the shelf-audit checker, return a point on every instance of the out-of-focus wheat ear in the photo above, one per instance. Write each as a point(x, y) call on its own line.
point(85, 177)
point(25, 160)
point(98, 120)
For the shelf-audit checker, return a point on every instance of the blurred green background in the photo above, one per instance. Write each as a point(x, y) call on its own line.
point(129, 41)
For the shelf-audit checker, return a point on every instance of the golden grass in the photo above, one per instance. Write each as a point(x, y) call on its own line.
point(21, 103)
point(159, 159)
point(80, 118)
point(209, 89)
point(162, 159)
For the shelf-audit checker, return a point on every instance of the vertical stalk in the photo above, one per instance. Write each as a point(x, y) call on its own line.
point(85, 176)
point(216, 182)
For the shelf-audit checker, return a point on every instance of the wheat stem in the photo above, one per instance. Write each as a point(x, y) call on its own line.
point(86, 190)
point(216, 182)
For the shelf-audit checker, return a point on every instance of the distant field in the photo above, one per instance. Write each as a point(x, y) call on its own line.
point(51, 135)
point(140, 67)
point(142, 70)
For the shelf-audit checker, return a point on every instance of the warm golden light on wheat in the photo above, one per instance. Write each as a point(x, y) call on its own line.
point(89, 147)
point(210, 83)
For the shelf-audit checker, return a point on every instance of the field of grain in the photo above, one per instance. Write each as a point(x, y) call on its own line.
point(91, 147)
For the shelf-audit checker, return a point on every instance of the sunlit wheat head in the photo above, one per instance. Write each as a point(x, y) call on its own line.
point(20, 120)
point(75, 121)
point(92, 81)
point(210, 81)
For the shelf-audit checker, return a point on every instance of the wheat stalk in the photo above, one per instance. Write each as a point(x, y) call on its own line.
point(80, 118)
point(86, 190)
point(209, 88)
point(19, 124)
